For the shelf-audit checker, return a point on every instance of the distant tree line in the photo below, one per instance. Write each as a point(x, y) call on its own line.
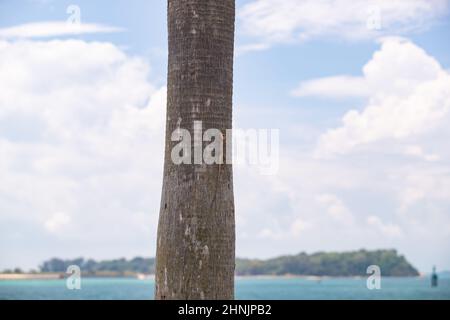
point(135, 265)
point(352, 263)
point(15, 270)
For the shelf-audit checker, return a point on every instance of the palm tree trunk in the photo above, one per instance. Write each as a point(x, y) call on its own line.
point(196, 236)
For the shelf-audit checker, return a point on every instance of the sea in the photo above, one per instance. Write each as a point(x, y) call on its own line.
point(260, 288)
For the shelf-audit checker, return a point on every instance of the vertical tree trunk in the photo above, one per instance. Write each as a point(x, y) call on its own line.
point(196, 236)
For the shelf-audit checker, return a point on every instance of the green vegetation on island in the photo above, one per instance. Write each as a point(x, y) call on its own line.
point(115, 267)
point(352, 263)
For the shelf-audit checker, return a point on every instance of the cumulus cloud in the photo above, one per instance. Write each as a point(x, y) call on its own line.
point(336, 208)
point(417, 151)
point(278, 21)
point(81, 144)
point(333, 87)
point(298, 226)
point(380, 179)
point(431, 184)
point(57, 222)
point(387, 229)
point(54, 29)
point(408, 94)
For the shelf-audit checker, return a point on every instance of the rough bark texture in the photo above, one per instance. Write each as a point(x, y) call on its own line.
point(196, 236)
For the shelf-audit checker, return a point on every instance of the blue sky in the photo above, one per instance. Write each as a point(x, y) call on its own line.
point(363, 117)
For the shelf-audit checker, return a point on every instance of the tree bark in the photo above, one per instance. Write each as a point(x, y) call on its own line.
point(196, 231)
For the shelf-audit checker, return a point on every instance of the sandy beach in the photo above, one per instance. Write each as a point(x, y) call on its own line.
point(30, 276)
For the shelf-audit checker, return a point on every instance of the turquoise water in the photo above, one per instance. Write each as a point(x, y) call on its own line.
point(246, 288)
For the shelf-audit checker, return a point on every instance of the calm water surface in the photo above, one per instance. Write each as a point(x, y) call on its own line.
point(246, 288)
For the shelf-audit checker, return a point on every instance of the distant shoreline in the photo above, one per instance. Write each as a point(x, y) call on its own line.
point(336, 264)
point(140, 276)
point(30, 276)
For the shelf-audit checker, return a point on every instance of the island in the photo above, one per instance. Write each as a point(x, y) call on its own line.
point(332, 264)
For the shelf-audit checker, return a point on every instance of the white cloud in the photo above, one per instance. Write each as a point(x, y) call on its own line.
point(432, 184)
point(57, 222)
point(407, 193)
point(417, 151)
point(277, 21)
point(409, 94)
point(336, 208)
point(335, 87)
point(268, 233)
point(81, 134)
point(54, 29)
point(387, 229)
point(298, 226)
point(388, 73)
point(274, 231)
point(241, 49)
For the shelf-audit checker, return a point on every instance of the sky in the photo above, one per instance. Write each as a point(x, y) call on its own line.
point(359, 91)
